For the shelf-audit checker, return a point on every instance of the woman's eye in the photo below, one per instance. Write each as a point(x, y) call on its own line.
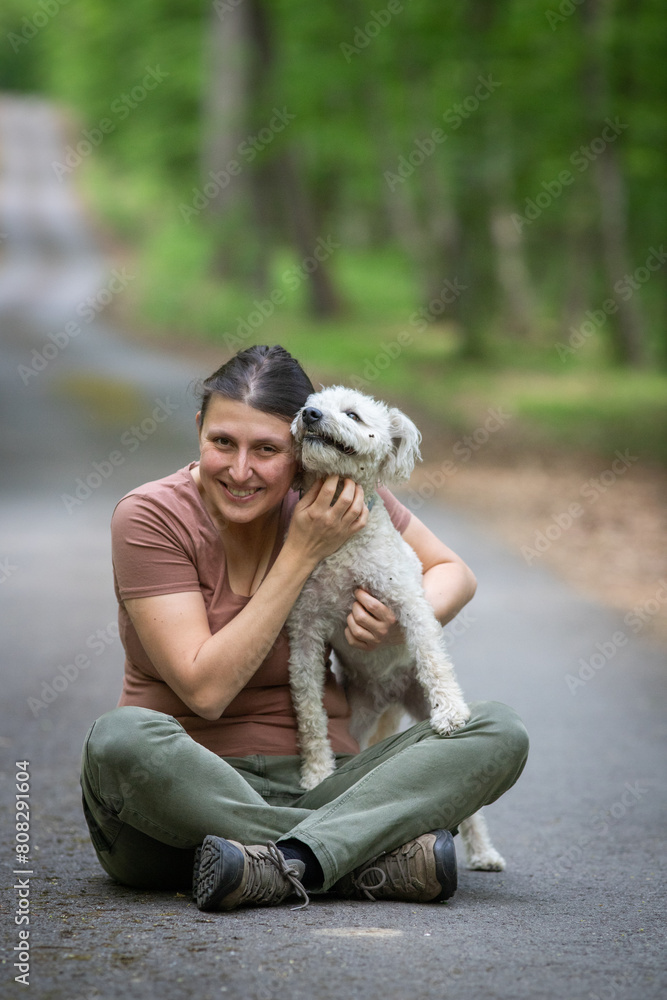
point(352, 415)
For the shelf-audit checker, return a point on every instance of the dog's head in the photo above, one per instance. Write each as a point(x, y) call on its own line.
point(343, 432)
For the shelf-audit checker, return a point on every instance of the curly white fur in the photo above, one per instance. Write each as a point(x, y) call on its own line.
point(341, 431)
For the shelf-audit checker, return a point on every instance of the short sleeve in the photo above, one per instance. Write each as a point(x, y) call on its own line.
point(398, 513)
point(151, 556)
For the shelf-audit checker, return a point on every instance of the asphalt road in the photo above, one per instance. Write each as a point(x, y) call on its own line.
point(579, 913)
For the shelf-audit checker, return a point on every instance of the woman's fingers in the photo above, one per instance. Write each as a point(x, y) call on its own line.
point(359, 642)
point(351, 494)
point(347, 509)
point(371, 623)
point(373, 607)
point(330, 513)
point(369, 619)
point(310, 496)
point(363, 629)
point(321, 495)
point(357, 511)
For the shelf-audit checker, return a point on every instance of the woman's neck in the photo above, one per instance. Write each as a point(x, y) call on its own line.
point(248, 549)
point(253, 535)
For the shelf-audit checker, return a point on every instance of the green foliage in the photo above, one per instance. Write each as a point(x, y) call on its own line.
point(581, 403)
point(600, 412)
point(370, 86)
point(96, 53)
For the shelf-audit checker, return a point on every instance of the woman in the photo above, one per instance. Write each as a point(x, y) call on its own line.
point(202, 748)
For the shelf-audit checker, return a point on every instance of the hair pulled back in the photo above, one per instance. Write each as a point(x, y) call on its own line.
point(267, 378)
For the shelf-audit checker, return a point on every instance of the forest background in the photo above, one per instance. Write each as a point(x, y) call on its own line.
point(470, 187)
point(456, 206)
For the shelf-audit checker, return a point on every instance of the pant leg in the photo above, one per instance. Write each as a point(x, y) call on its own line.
point(151, 794)
point(409, 784)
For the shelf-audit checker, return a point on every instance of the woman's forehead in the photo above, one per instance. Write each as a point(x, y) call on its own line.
point(232, 416)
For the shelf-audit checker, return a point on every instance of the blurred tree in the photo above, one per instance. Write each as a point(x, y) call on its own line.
point(464, 136)
point(232, 70)
point(628, 331)
point(266, 197)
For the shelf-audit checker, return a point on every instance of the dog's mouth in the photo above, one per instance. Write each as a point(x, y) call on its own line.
point(344, 449)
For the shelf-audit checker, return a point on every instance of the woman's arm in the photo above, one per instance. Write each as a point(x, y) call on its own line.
point(207, 671)
point(448, 584)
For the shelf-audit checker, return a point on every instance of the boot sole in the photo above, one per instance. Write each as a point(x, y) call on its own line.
point(446, 869)
point(221, 867)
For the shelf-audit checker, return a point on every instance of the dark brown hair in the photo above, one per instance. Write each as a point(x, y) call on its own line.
point(267, 378)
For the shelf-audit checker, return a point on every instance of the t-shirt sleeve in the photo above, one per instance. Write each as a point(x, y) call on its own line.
point(150, 555)
point(399, 514)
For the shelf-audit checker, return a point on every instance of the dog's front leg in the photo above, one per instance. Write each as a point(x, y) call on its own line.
point(481, 855)
point(435, 672)
point(307, 685)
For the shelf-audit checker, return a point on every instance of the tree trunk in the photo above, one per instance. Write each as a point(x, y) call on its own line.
point(226, 105)
point(398, 197)
point(628, 331)
point(610, 183)
point(440, 235)
point(237, 59)
point(473, 201)
point(578, 254)
point(512, 274)
point(324, 300)
point(420, 213)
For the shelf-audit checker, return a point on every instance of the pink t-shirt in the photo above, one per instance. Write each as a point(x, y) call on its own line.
point(164, 542)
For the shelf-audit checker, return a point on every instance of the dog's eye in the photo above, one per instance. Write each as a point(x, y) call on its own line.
point(352, 415)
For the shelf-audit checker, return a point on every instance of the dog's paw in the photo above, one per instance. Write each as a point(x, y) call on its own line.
point(448, 720)
point(312, 776)
point(487, 861)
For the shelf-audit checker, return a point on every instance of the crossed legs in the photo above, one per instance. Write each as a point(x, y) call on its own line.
point(152, 794)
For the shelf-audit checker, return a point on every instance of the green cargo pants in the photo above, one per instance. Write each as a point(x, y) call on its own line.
point(151, 793)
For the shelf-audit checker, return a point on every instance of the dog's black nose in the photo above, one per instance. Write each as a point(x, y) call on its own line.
point(311, 415)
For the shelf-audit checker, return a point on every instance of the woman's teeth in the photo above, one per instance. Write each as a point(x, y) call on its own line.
point(241, 493)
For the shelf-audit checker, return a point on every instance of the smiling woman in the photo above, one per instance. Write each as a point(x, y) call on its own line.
point(246, 464)
point(196, 773)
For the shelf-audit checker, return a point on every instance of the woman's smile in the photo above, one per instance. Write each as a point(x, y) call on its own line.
point(247, 462)
point(241, 494)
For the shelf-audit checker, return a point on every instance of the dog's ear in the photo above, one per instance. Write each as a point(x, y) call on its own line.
point(405, 439)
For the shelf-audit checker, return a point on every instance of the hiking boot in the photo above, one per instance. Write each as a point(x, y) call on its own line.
point(421, 871)
point(227, 874)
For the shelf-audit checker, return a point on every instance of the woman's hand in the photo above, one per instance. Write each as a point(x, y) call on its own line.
point(319, 526)
point(371, 624)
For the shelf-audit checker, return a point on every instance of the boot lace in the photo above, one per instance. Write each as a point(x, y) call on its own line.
point(268, 872)
point(396, 872)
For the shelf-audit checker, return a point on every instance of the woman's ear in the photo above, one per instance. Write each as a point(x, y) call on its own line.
point(406, 438)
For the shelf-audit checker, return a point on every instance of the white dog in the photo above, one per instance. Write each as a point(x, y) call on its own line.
point(341, 431)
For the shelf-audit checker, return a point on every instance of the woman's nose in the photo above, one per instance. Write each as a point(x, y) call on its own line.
point(240, 467)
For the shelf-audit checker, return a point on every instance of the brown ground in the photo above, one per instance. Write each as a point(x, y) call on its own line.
point(614, 550)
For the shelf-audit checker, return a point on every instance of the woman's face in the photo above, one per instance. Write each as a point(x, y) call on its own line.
point(247, 463)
